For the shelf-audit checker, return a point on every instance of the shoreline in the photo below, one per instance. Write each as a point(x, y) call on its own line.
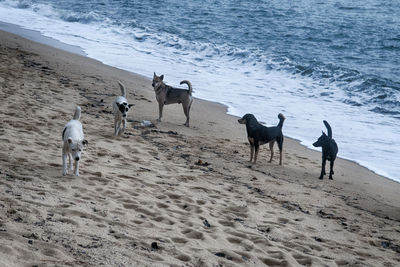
point(38, 37)
point(149, 186)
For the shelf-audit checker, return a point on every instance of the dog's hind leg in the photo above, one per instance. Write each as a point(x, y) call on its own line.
point(271, 147)
point(331, 171)
point(323, 169)
point(186, 110)
point(64, 162)
point(115, 127)
point(280, 145)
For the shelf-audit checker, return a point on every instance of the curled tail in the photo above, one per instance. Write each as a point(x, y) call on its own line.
point(328, 127)
point(189, 84)
point(281, 120)
point(123, 91)
point(77, 114)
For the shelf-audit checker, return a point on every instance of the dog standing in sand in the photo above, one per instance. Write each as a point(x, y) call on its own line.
point(74, 142)
point(166, 95)
point(120, 110)
point(258, 135)
point(329, 150)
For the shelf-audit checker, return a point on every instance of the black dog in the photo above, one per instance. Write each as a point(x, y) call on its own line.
point(329, 150)
point(258, 135)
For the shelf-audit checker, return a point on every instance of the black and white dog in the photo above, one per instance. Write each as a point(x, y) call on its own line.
point(74, 141)
point(329, 150)
point(120, 109)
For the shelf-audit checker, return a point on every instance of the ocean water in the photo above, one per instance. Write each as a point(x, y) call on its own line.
point(312, 60)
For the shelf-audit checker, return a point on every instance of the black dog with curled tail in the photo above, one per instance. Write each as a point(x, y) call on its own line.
point(259, 134)
point(329, 150)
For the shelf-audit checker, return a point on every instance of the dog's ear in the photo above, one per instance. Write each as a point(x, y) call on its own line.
point(85, 142)
point(70, 140)
point(162, 77)
point(130, 105)
point(155, 75)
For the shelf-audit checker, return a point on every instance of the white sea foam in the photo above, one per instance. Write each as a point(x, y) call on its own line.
point(245, 87)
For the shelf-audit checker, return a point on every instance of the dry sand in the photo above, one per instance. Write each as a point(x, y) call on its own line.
point(146, 187)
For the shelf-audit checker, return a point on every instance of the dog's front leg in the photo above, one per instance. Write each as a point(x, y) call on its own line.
point(64, 162)
point(70, 162)
point(323, 168)
point(251, 152)
point(160, 110)
point(257, 147)
point(251, 142)
point(76, 168)
point(122, 130)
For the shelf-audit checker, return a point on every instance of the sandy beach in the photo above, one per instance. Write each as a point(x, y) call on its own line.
point(168, 195)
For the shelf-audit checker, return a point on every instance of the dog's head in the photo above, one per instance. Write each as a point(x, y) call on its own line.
point(124, 108)
point(76, 148)
point(246, 118)
point(321, 140)
point(157, 81)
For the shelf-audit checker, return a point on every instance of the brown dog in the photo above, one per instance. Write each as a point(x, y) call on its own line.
point(166, 95)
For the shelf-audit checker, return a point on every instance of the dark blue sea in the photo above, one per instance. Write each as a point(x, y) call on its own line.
point(312, 60)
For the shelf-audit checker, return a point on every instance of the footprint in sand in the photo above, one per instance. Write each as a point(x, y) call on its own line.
point(201, 202)
point(162, 205)
point(273, 262)
point(192, 234)
point(342, 262)
point(163, 220)
point(283, 220)
point(59, 187)
point(276, 254)
point(173, 196)
point(227, 223)
point(99, 180)
point(68, 221)
point(303, 260)
point(130, 206)
point(179, 240)
point(183, 257)
point(234, 240)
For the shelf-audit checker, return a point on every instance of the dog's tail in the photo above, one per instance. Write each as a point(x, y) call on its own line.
point(281, 120)
point(189, 84)
point(77, 114)
point(328, 127)
point(123, 91)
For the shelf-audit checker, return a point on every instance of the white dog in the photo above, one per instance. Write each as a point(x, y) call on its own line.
point(120, 108)
point(73, 142)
